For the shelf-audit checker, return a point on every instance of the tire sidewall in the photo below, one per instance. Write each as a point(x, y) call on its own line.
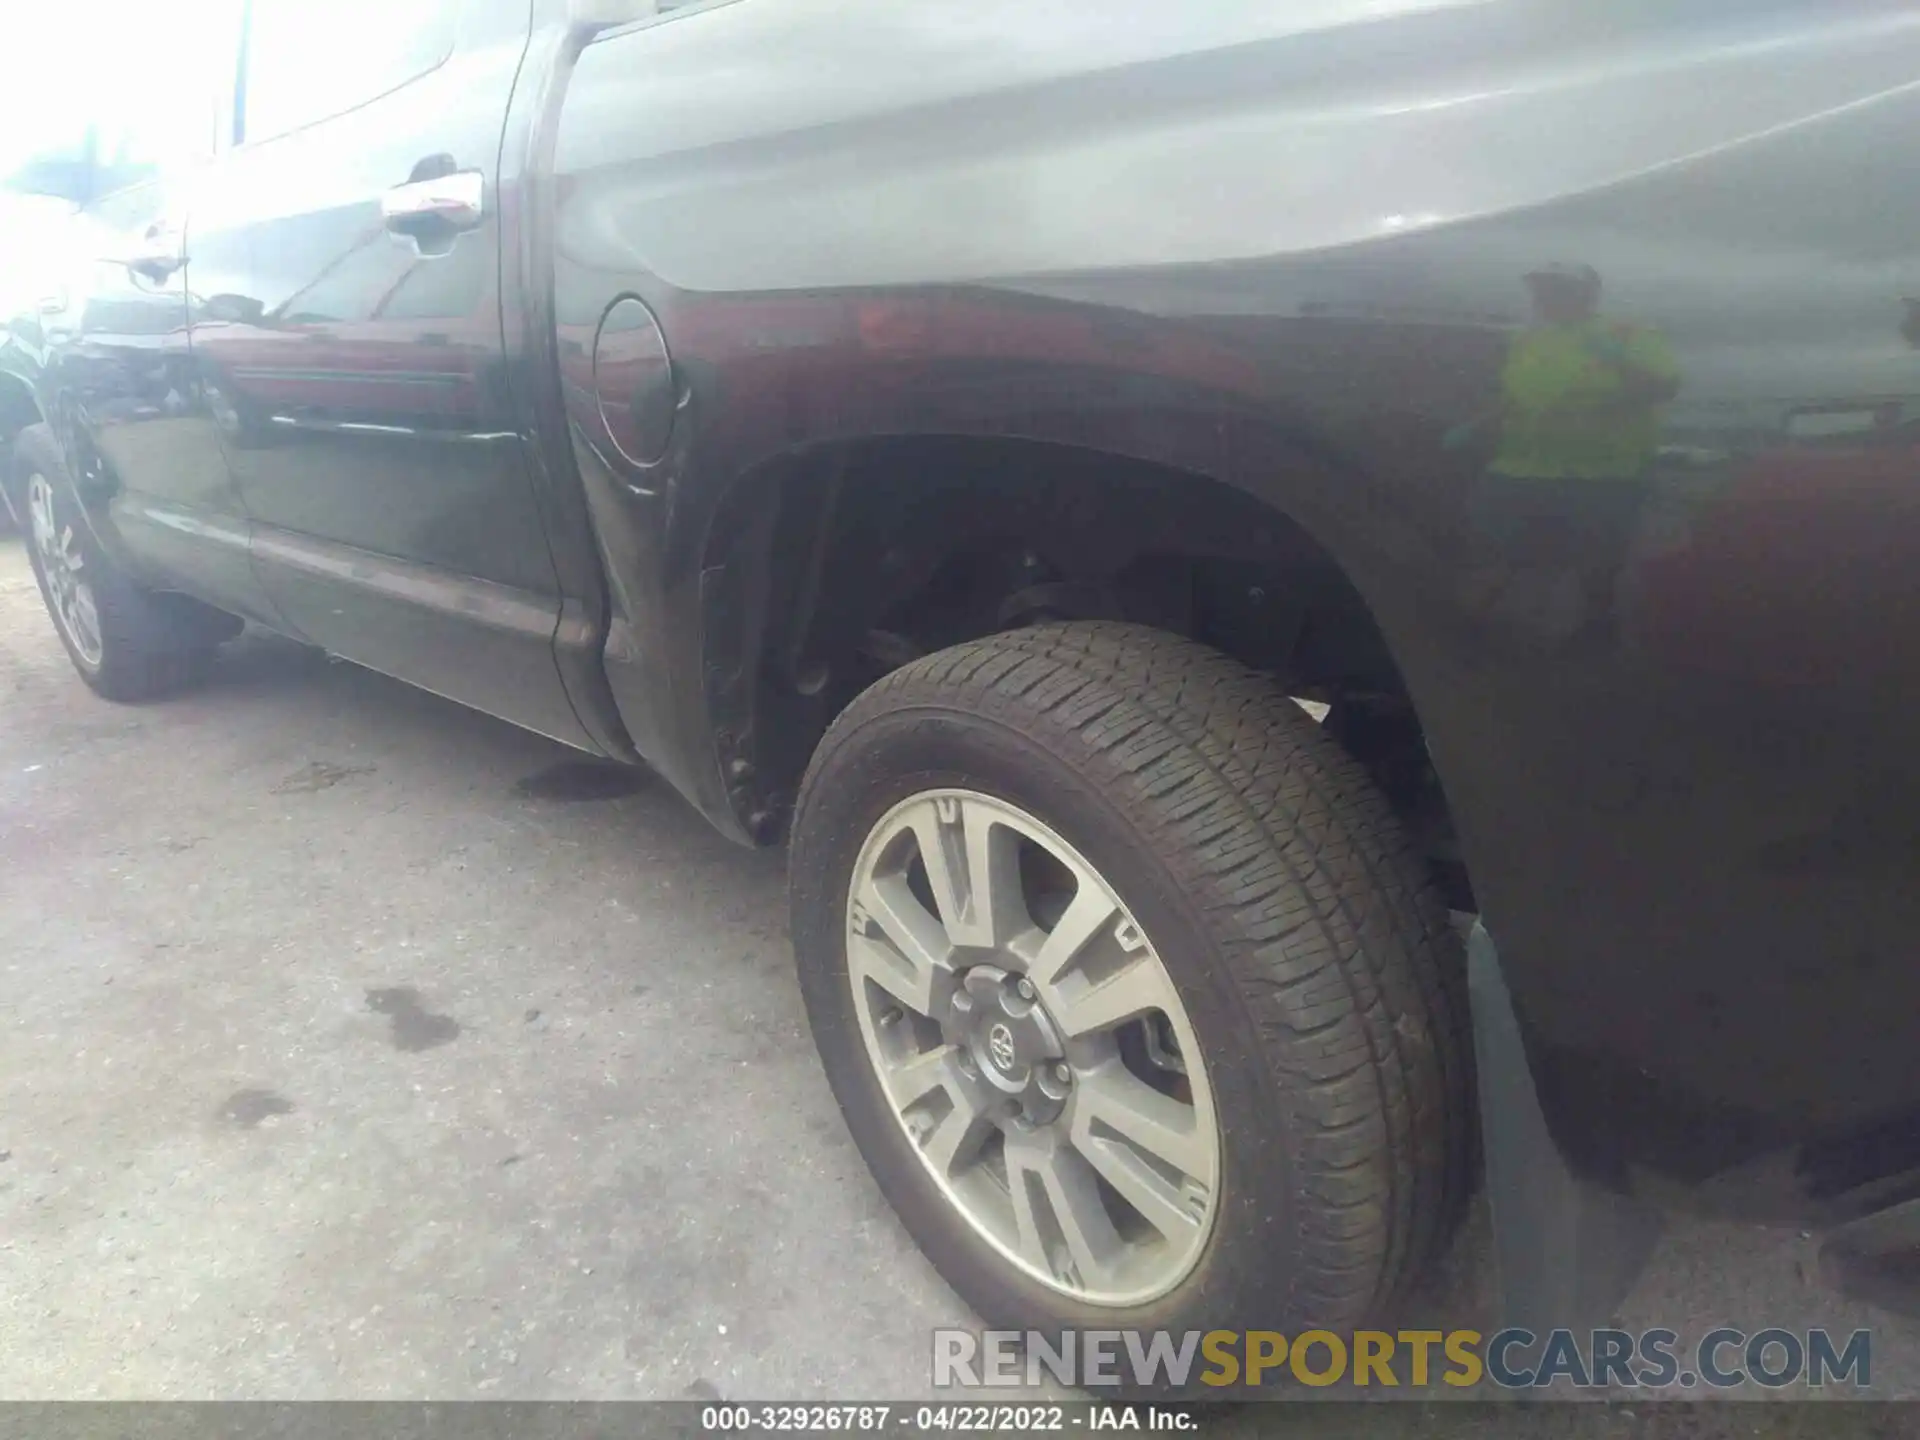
point(885, 758)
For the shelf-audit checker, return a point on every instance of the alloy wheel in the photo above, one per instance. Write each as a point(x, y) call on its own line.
point(69, 594)
point(1033, 1046)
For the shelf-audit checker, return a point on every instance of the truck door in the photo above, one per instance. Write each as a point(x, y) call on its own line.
point(354, 359)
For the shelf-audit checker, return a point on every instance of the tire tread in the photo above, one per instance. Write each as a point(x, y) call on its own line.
point(1334, 934)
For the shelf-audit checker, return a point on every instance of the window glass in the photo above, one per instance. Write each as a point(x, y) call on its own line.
point(307, 61)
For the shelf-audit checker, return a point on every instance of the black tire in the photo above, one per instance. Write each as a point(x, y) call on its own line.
point(151, 644)
point(1301, 932)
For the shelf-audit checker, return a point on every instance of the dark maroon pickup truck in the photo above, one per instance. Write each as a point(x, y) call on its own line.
point(1326, 596)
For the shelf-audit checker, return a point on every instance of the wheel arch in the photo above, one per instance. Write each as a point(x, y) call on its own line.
point(1304, 535)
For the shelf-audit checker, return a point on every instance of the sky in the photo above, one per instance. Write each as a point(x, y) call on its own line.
point(133, 65)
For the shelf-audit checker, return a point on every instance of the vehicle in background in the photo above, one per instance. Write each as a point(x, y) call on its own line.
point(954, 439)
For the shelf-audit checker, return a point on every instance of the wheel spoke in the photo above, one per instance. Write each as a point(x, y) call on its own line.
point(951, 1140)
point(86, 620)
point(1062, 1224)
point(1122, 1126)
point(954, 1143)
point(944, 856)
point(918, 1076)
point(1172, 1211)
point(1089, 914)
point(1137, 989)
point(894, 942)
point(973, 869)
point(40, 502)
point(999, 910)
point(1169, 1130)
point(1029, 1202)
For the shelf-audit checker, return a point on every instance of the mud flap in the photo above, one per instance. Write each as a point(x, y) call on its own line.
point(1566, 1251)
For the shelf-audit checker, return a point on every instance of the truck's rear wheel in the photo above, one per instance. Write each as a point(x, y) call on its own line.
point(1135, 1000)
point(127, 643)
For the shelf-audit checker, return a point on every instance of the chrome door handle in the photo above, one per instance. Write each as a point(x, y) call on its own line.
point(446, 202)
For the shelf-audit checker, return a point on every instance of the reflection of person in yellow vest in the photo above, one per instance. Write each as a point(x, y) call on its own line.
point(1579, 421)
point(1580, 396)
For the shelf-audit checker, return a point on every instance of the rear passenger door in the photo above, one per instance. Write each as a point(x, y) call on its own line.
point(348, 254)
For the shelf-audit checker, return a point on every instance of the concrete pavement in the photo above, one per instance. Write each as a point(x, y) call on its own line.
point(357, 1045)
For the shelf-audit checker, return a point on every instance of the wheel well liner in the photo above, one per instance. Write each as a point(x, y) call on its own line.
point(829, 566)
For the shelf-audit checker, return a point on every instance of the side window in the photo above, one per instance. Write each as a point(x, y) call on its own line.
point(305, 61)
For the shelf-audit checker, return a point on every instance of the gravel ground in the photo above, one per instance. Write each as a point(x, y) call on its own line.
point(360, 1046)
